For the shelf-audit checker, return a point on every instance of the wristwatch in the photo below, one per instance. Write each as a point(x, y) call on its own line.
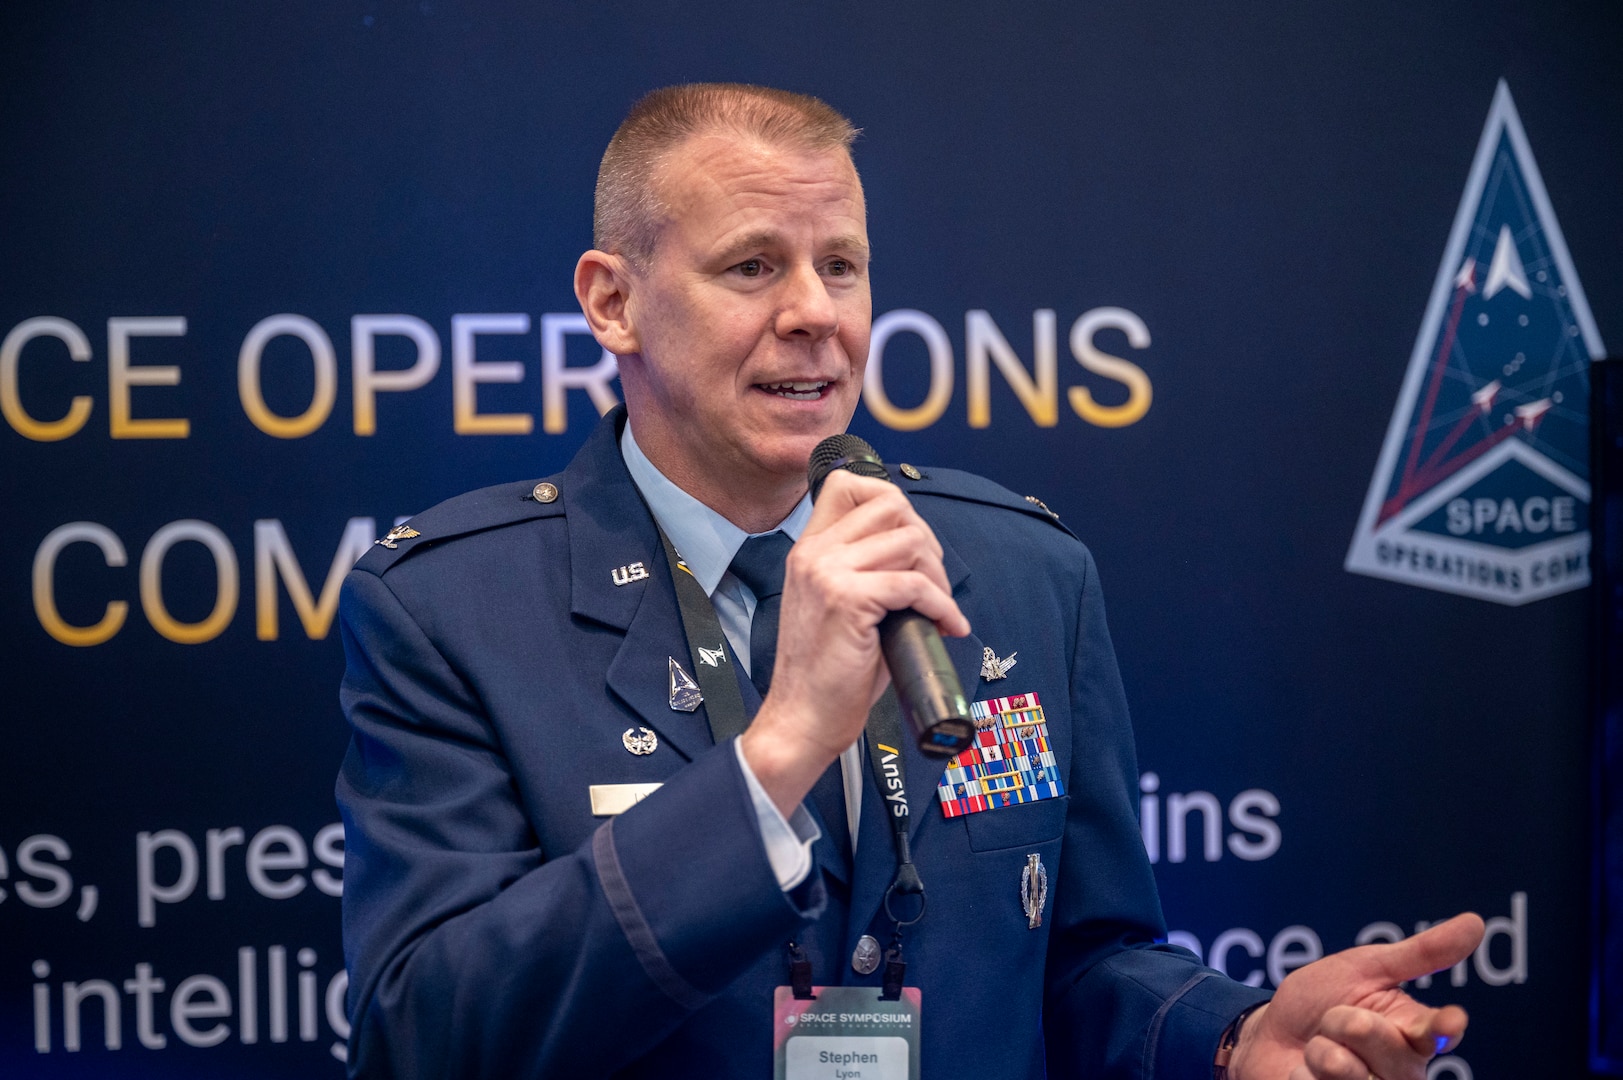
point(1226, 1045)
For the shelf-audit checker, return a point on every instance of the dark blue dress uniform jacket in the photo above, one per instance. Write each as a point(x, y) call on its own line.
point(493, 927)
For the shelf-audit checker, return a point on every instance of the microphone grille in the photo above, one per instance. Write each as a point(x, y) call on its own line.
point(843, 451)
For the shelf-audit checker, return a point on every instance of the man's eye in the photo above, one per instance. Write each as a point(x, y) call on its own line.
point(839, 268)
point(750, 268)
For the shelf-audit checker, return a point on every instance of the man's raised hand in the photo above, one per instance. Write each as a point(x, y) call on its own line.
point(1345, 1018)
point(864, 553)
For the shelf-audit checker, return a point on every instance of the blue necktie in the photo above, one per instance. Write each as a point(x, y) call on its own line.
point(759, 564)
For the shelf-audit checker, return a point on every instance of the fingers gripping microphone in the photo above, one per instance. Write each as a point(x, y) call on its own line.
point(926, 683)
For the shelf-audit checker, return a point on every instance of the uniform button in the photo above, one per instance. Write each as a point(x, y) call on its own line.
point(865, 957)
point(911, 473)
point(544, 493)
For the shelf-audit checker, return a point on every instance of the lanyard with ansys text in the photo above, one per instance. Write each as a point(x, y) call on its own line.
point(890, 775)
point(724, 708)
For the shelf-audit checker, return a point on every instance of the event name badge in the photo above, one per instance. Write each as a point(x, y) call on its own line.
point(846, 1033)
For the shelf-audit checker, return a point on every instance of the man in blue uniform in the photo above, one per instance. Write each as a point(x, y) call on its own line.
point(560, 862)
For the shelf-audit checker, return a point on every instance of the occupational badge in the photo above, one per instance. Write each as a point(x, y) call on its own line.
point(993, 669)
point(640, 741)
point(1033, 890)
point(685, 696)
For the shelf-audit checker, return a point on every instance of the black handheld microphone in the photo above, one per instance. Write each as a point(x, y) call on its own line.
point(926, 683)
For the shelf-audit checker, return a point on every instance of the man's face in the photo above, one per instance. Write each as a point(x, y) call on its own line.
point(753, 316)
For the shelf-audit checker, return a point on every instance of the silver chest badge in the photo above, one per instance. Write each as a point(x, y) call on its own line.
point(685, 696)
point(993, 669)
point(1033, 890)
point(640, 741)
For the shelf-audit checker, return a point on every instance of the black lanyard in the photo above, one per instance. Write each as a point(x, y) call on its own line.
point(884, 736)
point(724, 710)
point(723, 701)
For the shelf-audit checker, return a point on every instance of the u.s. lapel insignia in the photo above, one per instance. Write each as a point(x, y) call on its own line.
point(1033, 890)
point(640, 741)
point(399, 532)
point(685, 696)
point(993, 669)
point(713, 657)
point(625, 575)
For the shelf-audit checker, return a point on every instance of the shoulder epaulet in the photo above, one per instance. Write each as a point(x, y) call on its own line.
point(464, 515)
point(956, 484)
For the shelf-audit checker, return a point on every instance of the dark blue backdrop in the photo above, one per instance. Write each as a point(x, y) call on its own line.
point(1266, 189)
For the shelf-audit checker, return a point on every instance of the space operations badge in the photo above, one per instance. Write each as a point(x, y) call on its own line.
point(1009, 762)
point(1482, 485)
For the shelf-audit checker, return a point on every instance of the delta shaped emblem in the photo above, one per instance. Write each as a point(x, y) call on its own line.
point(1482, 486)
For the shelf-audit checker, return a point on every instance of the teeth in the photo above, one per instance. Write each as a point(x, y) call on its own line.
point(799, 391)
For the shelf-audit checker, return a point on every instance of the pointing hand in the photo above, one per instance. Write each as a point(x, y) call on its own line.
point(1344, 1018)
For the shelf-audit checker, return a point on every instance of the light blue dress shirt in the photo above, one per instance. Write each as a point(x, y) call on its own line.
point(707, 543)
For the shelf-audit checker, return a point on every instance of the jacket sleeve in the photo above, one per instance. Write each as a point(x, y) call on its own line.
point(471, 951)
point(1119, 1002)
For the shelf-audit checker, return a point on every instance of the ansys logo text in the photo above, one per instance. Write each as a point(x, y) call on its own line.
point(1482, 487)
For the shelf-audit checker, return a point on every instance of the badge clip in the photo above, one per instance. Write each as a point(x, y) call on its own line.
point(800, 973)
point(895, 970)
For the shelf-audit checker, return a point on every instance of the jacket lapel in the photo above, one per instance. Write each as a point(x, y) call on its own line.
point(610, 530)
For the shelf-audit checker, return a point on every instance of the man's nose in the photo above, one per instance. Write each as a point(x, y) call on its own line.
point(808, 310)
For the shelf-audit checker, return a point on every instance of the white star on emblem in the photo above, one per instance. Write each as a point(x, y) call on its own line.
point(1506, 269)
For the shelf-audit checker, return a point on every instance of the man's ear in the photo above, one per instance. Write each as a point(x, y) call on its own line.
point(603, 287)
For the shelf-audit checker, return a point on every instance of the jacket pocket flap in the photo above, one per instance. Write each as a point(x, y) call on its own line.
point(1020, 824)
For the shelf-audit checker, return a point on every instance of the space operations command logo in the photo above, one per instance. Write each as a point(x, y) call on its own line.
point(1482, 487)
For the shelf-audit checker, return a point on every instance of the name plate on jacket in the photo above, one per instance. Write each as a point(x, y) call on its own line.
point(611, 799)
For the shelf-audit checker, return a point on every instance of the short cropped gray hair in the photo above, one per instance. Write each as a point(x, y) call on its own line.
point(627, 214)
